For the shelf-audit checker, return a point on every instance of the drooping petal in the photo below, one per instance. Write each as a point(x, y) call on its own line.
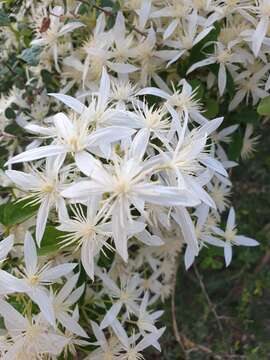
point(42, 216)
point(228, 253)
point(30, 254)
point(41, 298)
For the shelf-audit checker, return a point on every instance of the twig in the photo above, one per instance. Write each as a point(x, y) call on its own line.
point(211, 305)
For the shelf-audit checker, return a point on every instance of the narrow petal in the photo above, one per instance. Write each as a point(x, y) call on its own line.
point(37, 153)
point(57, 271)
point(111, 315)
point(71, 102)
point(40, 297)
point(228, 253)
point(30, 254)
point(245, 241)
point(70, 324)
point(42, 216)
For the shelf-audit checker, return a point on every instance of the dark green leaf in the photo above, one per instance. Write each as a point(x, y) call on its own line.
point(235, 146)
point(51, 240)
point(10, 114)
point(13, 213)
point(211, 108)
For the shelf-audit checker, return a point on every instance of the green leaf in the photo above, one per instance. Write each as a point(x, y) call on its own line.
point(235, 146)
point(211, 108)
point(264, 107)
point(199, 87)
point(4, 18)
point(10, 114)
point(31, 55)
point(16, 212)
point(51, 240)
point(245, 115)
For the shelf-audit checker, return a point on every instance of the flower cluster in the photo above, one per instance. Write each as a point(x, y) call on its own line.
point(117, 163)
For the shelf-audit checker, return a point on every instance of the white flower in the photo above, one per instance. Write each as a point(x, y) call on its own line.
point(127, 184)
point(249, 143)
point(231, 238)
point(126, 294)
point(226, 58)
point(43, 187)
point(146, 319)
point(63, 300)
point(131, 348)
point(35, 278)
point(108, 349)
point(49, 38)
point(29, 337)
point(88, 232)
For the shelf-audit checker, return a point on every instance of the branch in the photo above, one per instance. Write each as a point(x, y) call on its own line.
point(211, 305)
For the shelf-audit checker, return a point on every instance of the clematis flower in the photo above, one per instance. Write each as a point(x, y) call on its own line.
point(34, 279)
point(231, 238)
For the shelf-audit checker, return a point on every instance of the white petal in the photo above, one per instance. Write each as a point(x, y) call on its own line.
point(87, 257)
point(120, 332)
point(189, 257)
point(12, 316)
point(109, 135)
point(245, 241)
point(85, 162)
point(83, 189)
point(111, 315)
point(40, 297)
point(228, 253)
point(198, 64)
point(259, 34)
point(37, 153)
point(170, 29)
point(183, 219)
point(71, 102)
point(30, 254)
point(57, 271)
point(70, 324)
point(11, 284)
point(104, 90)
point(122, 68)
point(42, 216)
point(70, 27)
point(222, 79)
point(67, 288)
point(166, 195)
point(5, 246)
point(231, 220)
point(139, 144)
